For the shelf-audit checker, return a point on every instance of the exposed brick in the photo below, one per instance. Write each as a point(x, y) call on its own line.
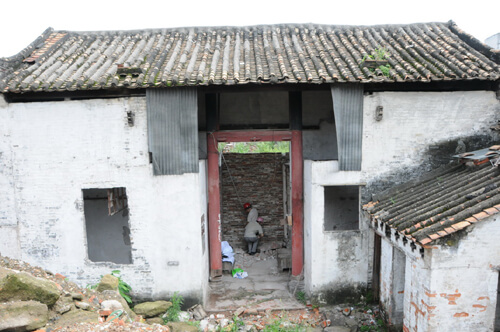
point(258, 179)
point(430, 294)
point(461, 314)
point(480, 306)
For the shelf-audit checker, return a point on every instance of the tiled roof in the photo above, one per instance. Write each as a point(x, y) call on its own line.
point(446, 201)
point(292, 53)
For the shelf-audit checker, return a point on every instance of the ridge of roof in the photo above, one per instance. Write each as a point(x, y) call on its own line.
point(61, 60)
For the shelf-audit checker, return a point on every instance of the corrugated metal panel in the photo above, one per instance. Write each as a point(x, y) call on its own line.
point(348, 111)
point(173, 130)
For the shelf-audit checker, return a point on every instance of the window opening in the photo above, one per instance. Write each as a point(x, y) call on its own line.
point(341, 208)
point(107, 225)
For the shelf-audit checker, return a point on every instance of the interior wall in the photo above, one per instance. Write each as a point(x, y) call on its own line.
point(263, 109)
point(257, 179)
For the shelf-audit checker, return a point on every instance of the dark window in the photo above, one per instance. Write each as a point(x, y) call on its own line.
point(106, 221)
point(341, 208)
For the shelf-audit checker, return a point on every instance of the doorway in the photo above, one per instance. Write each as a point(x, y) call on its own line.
point(257, 173)
point(214, 198)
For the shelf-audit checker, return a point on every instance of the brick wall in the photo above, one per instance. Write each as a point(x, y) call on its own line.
point(258, 179)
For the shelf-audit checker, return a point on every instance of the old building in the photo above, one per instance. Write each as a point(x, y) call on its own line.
point(437, 247)
point(109, 141)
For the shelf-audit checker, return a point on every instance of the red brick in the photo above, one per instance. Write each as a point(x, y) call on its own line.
point(480, 306)
point(461, 314)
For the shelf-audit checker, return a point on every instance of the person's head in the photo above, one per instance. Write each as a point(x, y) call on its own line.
point(247, 207)
point(259, 220)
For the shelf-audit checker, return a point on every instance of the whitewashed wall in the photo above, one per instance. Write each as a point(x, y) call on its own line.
point(463, 276)
point(411, 122)
point(335, 261)
point(50, 151)
point(414, 120)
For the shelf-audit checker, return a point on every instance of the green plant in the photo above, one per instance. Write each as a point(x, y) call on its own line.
point(301, 296)
point(173, 312)
point(234, 326)
point(379, 54)
point(123, 287)
point(279, 325)
point(255, 147)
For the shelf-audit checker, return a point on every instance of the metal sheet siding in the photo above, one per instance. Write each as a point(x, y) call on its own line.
point(348, 112)
point(173, 130)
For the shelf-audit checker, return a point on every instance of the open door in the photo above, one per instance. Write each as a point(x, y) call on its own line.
point(214, 214)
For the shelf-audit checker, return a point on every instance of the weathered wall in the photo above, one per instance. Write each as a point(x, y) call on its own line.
point(450, 286)
point(464, 280)
point(392, 283)
point(336, 262)
point(257, 179)
point(421, 131)
point(50, 151)
point(418, 131)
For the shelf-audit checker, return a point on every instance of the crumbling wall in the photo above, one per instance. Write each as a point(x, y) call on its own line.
point(54, 150)
point(258, 179)
point(420, 131)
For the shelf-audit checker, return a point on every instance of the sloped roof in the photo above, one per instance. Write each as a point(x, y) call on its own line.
point(446, 201)
point(287, 53)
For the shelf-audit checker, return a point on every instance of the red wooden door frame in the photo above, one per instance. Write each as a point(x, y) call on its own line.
point(214, 220)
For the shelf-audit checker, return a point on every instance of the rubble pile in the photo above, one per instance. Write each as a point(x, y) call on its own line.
point(32, 298)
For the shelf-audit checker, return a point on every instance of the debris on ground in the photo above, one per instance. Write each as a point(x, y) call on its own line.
point(82, 309)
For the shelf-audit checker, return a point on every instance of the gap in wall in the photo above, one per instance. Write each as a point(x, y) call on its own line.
point(261, 179)
point(341, 208)
point(107, 225)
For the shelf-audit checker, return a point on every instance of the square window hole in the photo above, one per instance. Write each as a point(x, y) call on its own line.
point(341, 208)
point(106, 223)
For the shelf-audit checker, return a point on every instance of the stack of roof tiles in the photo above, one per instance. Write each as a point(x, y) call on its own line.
point(443, 203)
point(68, 61)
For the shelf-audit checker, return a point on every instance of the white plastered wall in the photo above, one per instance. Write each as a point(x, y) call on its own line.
point(463, 281)
point(50, 151)
point(334, 260)
point(411, 122)
point(414, 120)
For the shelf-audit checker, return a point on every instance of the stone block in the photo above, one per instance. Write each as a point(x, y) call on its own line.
point(23, 316)
point(24, 287)
point(152, 309)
